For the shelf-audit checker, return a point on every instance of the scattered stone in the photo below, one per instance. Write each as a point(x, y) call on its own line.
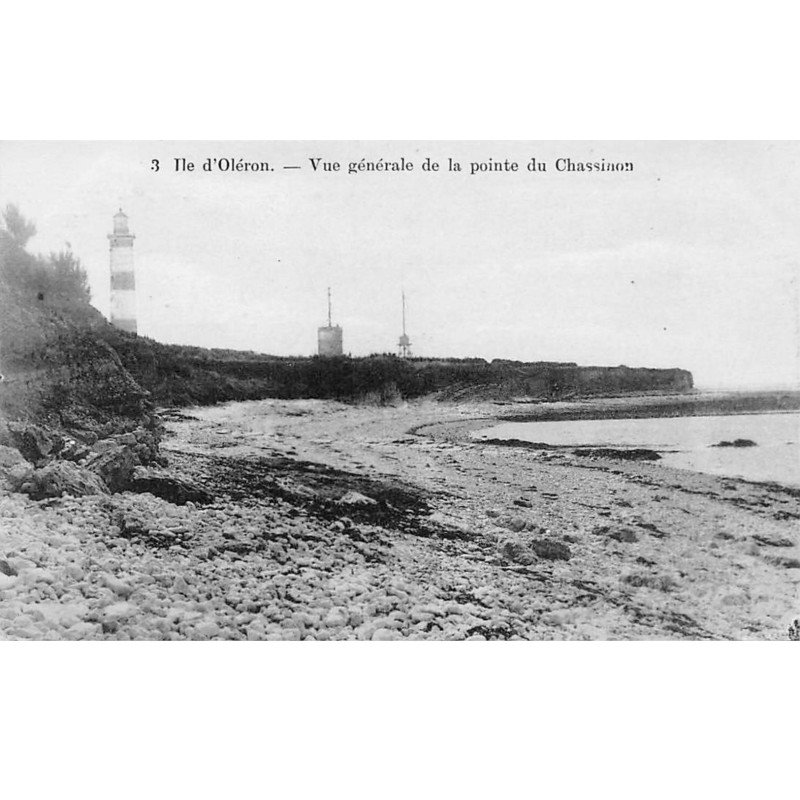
point(601, 529)
point(736, 597)
point(7, 569)
point(15, 470)
point(290, 635)
point(515, 524)
point(651, 529)
point(634, 454)
point(118, 611)
point(256, 630)
point(83, 630)
point(337, 618)
point(662, 583)
point(385, 635)
point(353, 498)
point(37, 575)
point(63, 477)
point(104, 445)
point(117, 586)
point(7, 581)
point(115, 466)
point(73, 450)
point(207, 630)
point(551, 550)
point(516, 551)
point(773, 540)
point(34, 441)
point(784, 561)
point(168, 487)
point(625, 535)
point(356, 619)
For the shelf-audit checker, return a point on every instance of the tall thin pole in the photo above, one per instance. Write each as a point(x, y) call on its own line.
point(329, 307)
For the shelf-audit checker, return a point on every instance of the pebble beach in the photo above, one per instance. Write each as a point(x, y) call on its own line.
point(340, 522)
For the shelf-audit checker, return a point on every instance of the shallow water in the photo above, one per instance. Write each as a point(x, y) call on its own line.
point(684, 442)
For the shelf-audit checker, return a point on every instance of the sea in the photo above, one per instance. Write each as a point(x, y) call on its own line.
point(683, 442)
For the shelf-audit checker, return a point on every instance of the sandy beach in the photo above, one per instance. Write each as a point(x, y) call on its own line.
point(334, 521)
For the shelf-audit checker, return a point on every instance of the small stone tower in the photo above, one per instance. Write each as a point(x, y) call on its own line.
point(123, 283)
point(329, 337)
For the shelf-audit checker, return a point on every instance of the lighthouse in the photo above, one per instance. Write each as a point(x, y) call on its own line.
point(123, 283)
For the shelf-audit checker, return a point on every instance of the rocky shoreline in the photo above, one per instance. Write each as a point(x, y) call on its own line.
point(316, 520)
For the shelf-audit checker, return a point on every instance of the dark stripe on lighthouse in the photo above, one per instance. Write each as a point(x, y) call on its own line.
point(123, 280)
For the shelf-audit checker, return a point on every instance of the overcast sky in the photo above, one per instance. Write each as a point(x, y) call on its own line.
point(689, 261)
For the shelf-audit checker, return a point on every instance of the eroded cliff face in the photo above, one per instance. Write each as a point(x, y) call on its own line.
point(181, 375)
point(57, 371)
point(73, 420)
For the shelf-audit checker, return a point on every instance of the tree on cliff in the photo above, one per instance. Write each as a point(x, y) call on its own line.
point(17, 227)
point(58, 277)
point(68, 276)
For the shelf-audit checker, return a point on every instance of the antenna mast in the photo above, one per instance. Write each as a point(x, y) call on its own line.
point(404, 344)
point(329, 307)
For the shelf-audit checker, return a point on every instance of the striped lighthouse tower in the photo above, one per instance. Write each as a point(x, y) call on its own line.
point(123, 284)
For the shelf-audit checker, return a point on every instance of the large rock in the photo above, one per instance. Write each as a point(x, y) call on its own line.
point(146, 447)
point(63, 477)
point(168, 487)
point(517, 551)
point(143, 444)
point(115, 466)
point(551, 549)
point(34, 441)
point(353, 498)
point(74, 450)
point(14, 469)
point(105, 445)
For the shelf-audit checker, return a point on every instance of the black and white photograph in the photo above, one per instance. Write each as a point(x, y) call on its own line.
point(399, 390)
point(399, 401)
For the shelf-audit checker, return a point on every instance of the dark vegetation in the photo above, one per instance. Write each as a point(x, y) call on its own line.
point(178, 375)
